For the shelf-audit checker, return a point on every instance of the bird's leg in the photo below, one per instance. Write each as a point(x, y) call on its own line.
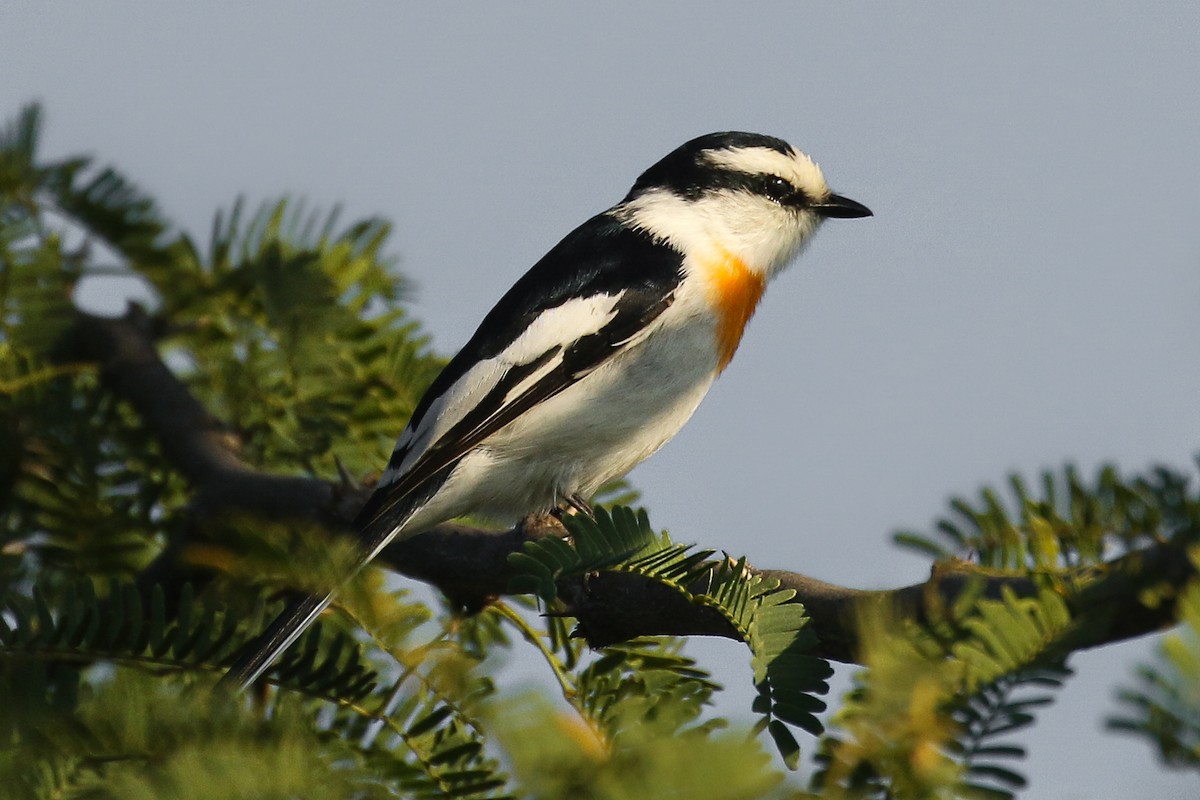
point(574, 504)
point(581, 505)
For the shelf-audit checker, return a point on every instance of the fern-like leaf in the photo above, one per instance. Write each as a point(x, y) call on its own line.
point(1164, 707)
point(788, 680)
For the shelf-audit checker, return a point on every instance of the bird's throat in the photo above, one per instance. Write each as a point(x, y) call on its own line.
point(734, 291)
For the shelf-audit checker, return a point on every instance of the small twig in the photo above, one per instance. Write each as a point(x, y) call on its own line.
point(534, 638)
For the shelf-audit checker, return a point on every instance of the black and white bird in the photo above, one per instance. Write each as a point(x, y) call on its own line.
point(599, 354)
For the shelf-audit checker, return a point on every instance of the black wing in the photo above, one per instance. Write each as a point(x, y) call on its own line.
point(601, 257)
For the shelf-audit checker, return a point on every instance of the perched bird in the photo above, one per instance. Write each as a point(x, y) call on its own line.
point(599, 354)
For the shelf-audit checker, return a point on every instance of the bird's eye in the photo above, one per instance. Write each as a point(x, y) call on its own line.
point(778, 189)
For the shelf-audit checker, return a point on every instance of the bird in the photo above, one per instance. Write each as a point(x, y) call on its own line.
point(596, 356)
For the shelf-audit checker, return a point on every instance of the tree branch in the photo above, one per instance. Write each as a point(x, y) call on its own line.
point(201, 447)
point(470, 565)
point(613, 607)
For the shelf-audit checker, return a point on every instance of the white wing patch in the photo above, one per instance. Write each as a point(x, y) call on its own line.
point(531, 380)
point(560, 326)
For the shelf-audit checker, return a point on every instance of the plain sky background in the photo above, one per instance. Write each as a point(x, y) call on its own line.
point(1026, 294)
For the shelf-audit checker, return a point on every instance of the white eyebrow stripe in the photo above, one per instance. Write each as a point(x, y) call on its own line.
point(797, 168)
point(560, 326)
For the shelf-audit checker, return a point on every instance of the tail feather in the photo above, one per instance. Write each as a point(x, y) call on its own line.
point(279, 636)
point(285, 629)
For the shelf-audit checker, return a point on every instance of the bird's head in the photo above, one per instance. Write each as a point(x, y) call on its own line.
point(750, 195)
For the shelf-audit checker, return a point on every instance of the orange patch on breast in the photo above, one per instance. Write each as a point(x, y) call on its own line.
point(734, 291)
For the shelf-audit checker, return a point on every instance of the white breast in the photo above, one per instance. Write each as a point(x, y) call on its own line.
point(592, 432)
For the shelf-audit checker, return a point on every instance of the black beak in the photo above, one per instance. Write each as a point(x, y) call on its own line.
point(840, 207)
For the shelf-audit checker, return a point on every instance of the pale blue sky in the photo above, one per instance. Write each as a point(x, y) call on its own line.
point(1026, 294)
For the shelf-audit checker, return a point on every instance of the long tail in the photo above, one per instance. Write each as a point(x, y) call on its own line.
point(379, 529)
point(279, 635)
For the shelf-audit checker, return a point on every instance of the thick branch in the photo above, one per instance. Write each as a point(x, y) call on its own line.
point(471, 565)
point(613, 607)
point(197, 444)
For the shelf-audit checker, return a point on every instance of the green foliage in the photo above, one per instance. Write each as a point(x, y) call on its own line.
point(1000, 709)
point(933, 712)
point(48, 656)
point(295, 337)
point(554, 756)
point(788, 680)
point(1068, 523)
point(1165, 706)
point(290, 328)
point(923, 718)
point(86, 625)
point(140, 737)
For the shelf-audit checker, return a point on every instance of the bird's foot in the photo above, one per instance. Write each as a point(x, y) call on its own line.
point(579, 505)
